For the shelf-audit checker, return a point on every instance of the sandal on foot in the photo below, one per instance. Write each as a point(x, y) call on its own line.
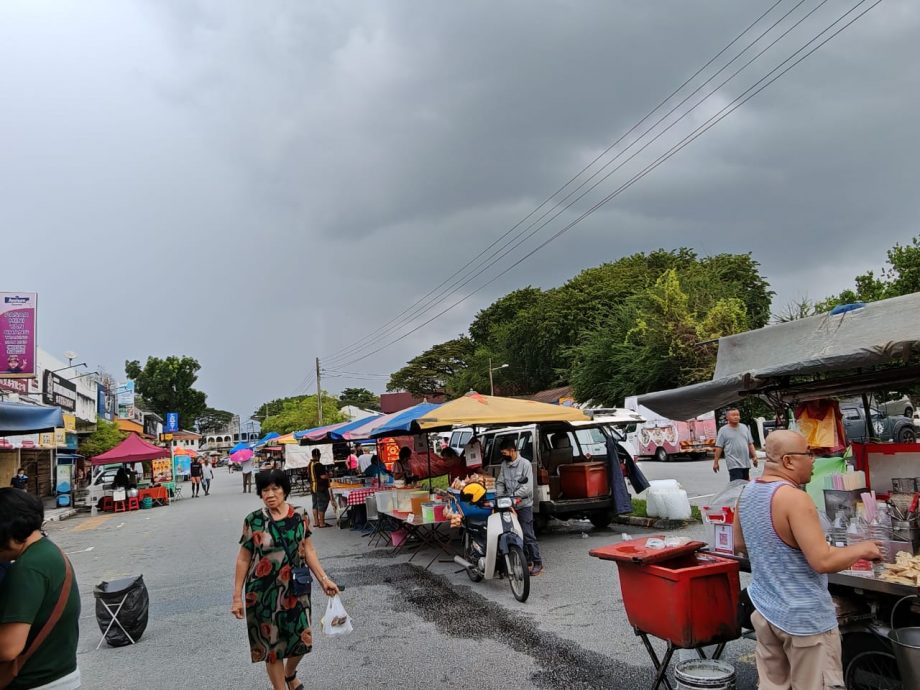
point(288, 679)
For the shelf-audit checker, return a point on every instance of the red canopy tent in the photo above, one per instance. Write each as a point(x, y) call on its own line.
point(132, 449)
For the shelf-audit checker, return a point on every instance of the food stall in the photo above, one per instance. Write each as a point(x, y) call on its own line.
point(133, 450)
point(853, 350)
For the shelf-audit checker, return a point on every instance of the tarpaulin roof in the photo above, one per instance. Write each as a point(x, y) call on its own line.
point(341, 433)
point(132, 449)
point(474, 408)
point(265, 439)
point(876, 333)
point(242, 445)
point(404, 421)
point(18, 418)
point(319, 433)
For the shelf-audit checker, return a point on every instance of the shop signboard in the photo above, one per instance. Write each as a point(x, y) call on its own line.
point(183, 464)
point(18, 344)
point(70, 422)
point(46, 440)
point(150, 426)
point(124, 393)
point(172, 422)
point(20, 386)
point(104, 406)
point(60, 438)
point(58, 391)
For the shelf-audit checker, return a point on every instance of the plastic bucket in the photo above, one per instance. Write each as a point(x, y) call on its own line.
point(906, 644)
point(696, 674)
point(428, 512)
point(439, 512)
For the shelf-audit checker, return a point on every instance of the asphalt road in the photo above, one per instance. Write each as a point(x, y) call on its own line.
point(413, 628)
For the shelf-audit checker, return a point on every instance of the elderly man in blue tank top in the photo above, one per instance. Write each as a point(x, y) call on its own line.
point(798, 644)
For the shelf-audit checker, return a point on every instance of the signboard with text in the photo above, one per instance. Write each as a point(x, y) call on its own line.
point(20, 386)
point(58, 391)
point(18, 344)
point(172, 422)
point(124, 393)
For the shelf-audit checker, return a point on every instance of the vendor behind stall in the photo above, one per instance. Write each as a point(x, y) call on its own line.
point(777, 526)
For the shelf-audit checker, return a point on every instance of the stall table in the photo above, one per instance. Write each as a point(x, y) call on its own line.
point(158, 494)
point(422, 534)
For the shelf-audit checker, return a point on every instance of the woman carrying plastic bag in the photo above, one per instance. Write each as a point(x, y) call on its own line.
point(336, 621)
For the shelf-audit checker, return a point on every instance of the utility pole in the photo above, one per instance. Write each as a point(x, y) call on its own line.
point(319, 397)
point(491, 385)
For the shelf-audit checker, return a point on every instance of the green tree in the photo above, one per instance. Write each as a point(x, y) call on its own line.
point(900, 277)
point(296, 414)
point(429, 372)
point(359, 397)
point(484, 328)
point(106, 436)
point(274, 407)
point(212, 420)
point(166, 385)
point(664, 343)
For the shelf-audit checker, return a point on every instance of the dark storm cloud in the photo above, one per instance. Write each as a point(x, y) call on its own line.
point(255, 185)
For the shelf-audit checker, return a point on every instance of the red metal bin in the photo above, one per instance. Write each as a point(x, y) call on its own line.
point(687, 598)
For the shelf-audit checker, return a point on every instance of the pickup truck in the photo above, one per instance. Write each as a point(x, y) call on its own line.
point(885, 427)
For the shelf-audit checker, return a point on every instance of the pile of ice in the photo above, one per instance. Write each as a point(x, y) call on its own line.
point(665, 499)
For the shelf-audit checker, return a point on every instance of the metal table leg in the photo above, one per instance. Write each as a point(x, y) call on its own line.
point(661, 667)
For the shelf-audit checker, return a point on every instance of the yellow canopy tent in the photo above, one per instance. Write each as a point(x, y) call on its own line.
point(486, 410)
point(285, 440)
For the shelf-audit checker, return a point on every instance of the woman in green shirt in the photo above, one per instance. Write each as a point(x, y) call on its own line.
point(28, 594)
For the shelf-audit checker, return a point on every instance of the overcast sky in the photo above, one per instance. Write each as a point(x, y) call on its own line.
point(257, 184)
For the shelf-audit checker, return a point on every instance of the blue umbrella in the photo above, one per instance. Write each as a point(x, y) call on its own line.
point(404, 420)
point(242, 445)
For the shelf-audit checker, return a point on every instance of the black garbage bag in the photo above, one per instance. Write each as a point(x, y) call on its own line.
point(133, 612)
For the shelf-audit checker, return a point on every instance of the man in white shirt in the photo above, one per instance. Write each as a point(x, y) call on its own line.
point(246, 467)
point(364, 461)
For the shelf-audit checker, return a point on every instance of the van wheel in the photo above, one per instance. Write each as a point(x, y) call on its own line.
point(601, 520)
point(661, 455)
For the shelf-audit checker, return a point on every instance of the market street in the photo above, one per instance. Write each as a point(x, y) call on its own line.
point(412, 628)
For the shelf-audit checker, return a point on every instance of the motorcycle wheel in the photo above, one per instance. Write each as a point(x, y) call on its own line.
point(518, 574)
point(472, 573)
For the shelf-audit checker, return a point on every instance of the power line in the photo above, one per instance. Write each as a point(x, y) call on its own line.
point(362, 342)
point(724, 112)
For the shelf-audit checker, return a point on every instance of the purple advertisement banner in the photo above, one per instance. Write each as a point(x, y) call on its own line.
point(17, 334)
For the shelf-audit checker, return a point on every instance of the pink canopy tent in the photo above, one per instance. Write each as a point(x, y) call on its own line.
point(132, 449)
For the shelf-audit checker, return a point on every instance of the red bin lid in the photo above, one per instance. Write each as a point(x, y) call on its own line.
point(635, 551)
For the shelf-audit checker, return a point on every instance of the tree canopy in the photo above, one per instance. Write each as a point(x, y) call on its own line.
point(359, 397)
point(166, 385)
point(298, 413)
point(212, 420)
point(429, 372)
point(106, 436)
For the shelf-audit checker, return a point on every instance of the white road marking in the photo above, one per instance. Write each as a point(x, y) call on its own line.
point(88, 548)
point(693, 498)
point(120, 525)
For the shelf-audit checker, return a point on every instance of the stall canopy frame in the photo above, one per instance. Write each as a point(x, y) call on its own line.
point(846, 352)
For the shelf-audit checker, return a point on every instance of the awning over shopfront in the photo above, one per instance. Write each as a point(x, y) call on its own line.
point(487, 410)
point(18, 418)
point(132, 449)
point(873, 334)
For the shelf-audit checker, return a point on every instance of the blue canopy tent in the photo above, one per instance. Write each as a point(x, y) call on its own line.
point(239, 446)
point(19, 418)
point(404, 422)
point(265, 439)
point(338, 434)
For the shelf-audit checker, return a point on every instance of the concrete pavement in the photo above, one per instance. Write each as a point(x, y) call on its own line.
point(413, 628)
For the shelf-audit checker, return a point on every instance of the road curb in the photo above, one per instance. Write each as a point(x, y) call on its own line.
point(653, 523)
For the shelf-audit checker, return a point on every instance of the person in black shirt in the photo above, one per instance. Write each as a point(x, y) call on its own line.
point(20, 480)
point(319, 485)
point(196, 474)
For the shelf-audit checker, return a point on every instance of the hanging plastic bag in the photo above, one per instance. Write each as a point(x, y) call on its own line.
point(336, 621)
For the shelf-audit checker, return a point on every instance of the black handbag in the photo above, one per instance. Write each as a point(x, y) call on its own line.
point(301, 577)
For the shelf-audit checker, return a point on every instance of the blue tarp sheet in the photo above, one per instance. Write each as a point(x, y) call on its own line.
point(16, 418)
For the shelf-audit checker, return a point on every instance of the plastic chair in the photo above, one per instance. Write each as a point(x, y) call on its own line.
point(108, 504)
point(134, 503)
point(118, 498)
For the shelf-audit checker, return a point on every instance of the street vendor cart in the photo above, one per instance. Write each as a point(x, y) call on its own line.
point(853, 350)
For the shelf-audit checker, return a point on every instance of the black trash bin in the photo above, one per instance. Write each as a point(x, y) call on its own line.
point(133, 612)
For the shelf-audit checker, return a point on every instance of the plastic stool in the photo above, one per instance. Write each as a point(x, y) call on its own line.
point(107, 504)
point(120, 506)
point(133, 503)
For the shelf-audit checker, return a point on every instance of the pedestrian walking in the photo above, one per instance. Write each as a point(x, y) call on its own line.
point(246, 469)
point(735, 443)
point(20, 480)
point(274, 550)
point(319, 486)
point(777, 526)
point(39, 601)
point(207, 474)
point(196, 470)
point(515, 478)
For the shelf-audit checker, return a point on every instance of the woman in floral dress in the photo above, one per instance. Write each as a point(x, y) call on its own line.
point(275, 539)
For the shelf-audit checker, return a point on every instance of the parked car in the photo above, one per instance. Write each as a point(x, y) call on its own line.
point(459, 438)
point(903, 406)
point(896, 428)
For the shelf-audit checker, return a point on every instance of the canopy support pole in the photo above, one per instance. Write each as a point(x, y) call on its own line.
point(428, 451)
point(870, 431)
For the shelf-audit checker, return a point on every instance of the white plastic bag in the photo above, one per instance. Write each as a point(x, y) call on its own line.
point(336, 621)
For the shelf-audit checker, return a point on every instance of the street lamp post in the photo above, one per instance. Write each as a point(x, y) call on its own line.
point(491, 369)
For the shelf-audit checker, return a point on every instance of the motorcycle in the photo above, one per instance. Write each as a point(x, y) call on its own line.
point(494, 546)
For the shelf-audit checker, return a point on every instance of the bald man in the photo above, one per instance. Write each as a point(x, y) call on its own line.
point(798, 644)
